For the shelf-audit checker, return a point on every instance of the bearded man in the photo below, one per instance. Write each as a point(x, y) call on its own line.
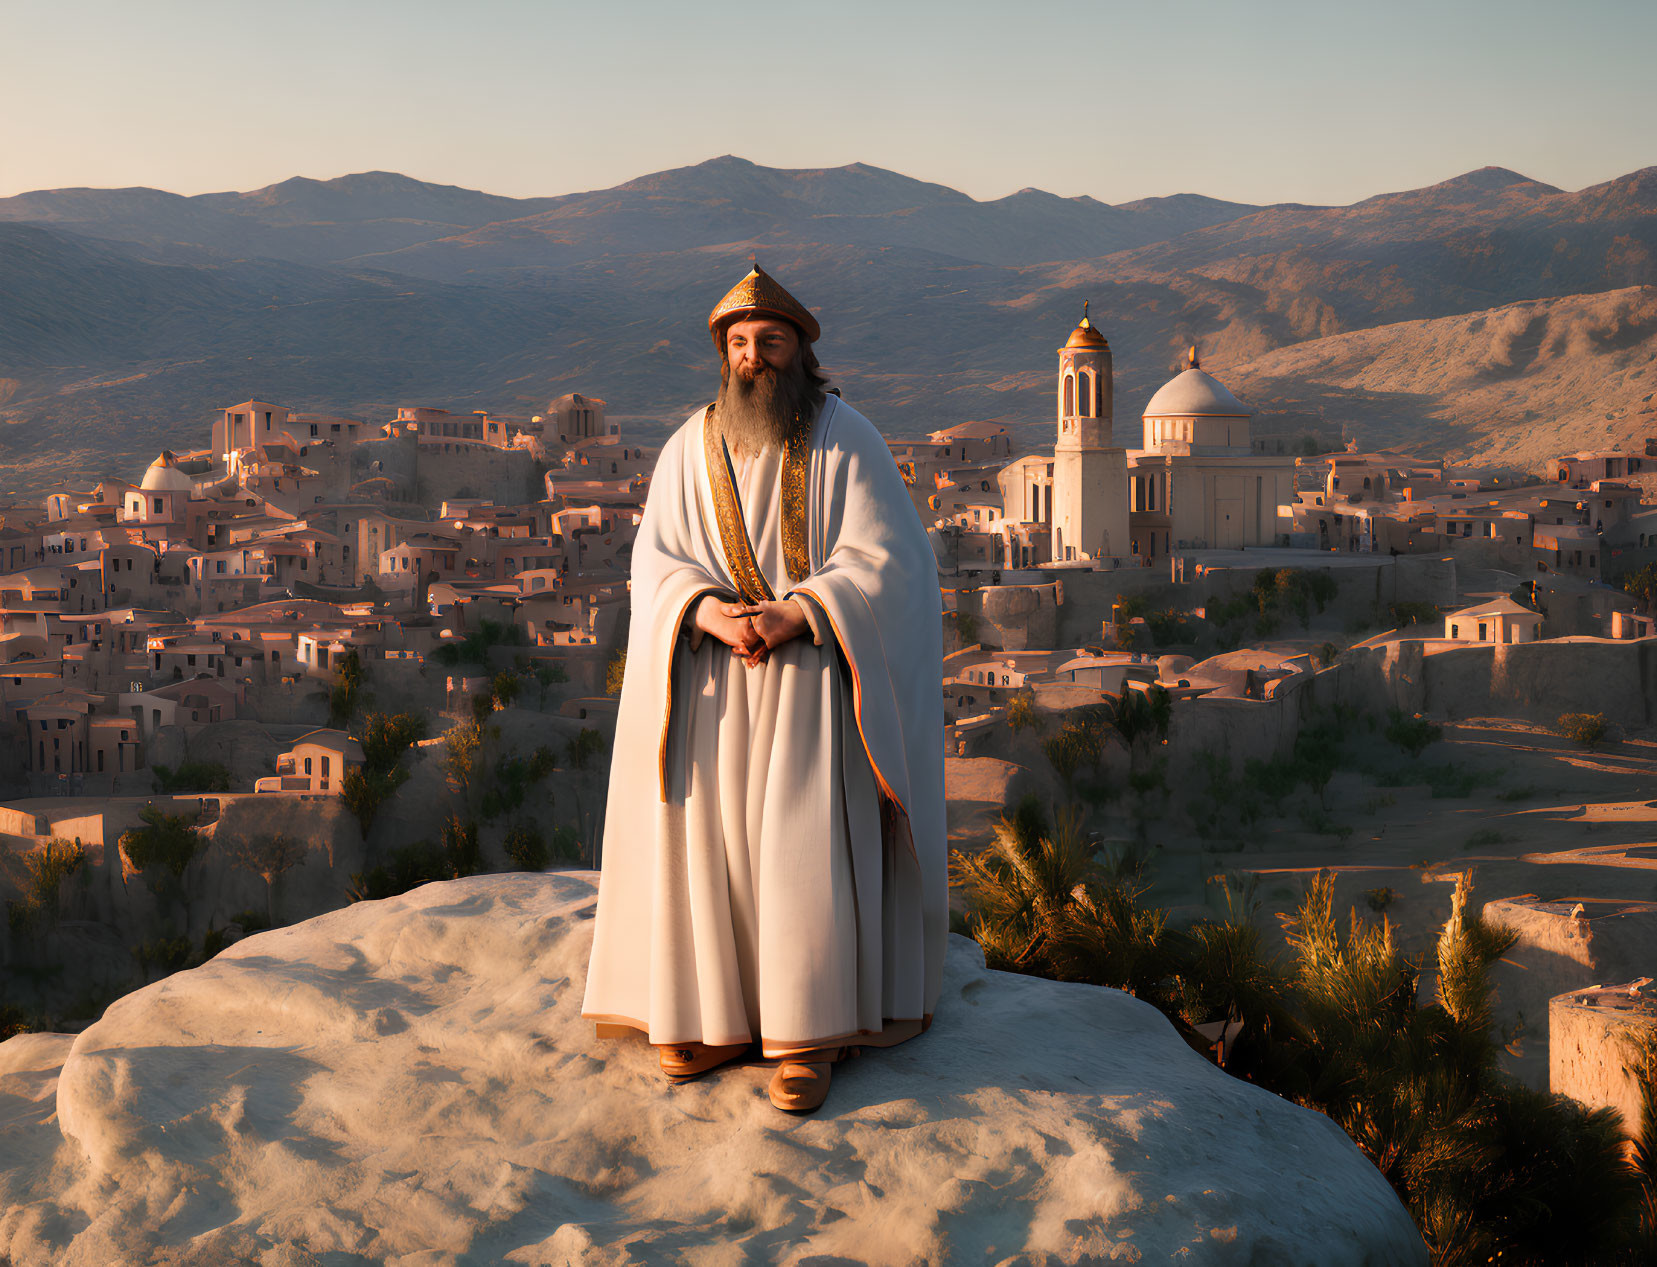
point(774, 875)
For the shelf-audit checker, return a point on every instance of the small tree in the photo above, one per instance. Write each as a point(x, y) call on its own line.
point(548, 675)
point(1642, 583)
point(460, 846)
point(364, 790)
point(615, 671)
point(267, 857)
point(342, 701)
point(161, 849)
point(46, 867)
point(1022, 713)
point(589, 743)
point(505, 688)
point(385, 737)
point(462, 754)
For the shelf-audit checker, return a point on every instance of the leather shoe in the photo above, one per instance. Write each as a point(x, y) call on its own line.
point(686, 1062)
point(801, 1083)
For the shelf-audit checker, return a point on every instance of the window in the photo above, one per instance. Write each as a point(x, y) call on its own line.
point(307, 765)
point(158, 504)
point(1483, 628)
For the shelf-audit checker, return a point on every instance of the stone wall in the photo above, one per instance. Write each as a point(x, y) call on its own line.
point(1536, 681)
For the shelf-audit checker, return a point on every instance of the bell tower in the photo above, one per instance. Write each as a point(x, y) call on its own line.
point(1090, 474)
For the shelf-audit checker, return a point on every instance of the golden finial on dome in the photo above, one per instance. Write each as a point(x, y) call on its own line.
point(1086, 334)
point(1191, 358)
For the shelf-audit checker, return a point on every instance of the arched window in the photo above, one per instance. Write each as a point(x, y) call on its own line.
point(1084, 396)
point(1069, 395)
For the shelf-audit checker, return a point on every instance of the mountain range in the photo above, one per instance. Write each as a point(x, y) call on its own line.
point(1489, 316)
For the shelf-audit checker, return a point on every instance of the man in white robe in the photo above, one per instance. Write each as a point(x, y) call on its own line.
point(774, 871)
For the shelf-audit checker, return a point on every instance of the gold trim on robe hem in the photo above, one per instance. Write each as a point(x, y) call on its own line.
point(899, 814)
point(796, 513)
point(667, 707)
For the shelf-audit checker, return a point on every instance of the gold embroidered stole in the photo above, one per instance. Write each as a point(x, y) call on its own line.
point(733, 527)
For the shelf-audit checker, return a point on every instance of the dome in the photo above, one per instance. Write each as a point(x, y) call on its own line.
point(1085, 335)
point(165, 477)
point(1195, 393)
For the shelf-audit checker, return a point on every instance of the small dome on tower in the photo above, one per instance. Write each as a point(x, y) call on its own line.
point(1085, 335)
point(164, 476)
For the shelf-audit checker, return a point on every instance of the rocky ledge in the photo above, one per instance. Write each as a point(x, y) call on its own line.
point(410, 1081)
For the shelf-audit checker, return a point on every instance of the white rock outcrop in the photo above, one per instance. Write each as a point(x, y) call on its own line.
point(410, 1081)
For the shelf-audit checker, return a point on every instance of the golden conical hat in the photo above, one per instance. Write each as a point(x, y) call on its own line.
point(760, 293)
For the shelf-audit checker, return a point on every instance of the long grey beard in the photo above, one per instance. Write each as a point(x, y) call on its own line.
point(763, 414)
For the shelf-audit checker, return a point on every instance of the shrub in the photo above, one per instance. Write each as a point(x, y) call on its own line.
point(474, 647)
point(513, 777)
point(526, 847)
point(364, 790)
point(342, 700)
point(1412, 734)
point(1379, 899)
point(192, 776)
point(169, 954)
point(460, 847)
point(1173, 628)
point(505, 688)
point(589, 743)
point(1412, 614)
point(408, 868)
point(164, 845)
point(1589, 730)
point(615, 671)
point(47, 867)
point(1022, 713)
point(966, 626)
point(462, 745)
point(385, 737)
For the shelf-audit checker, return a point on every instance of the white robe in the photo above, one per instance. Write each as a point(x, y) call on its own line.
point(774, 858)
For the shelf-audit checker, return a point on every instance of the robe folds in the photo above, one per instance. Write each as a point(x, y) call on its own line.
point(774, 856)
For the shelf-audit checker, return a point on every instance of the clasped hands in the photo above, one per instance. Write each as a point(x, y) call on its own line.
point(751, 630)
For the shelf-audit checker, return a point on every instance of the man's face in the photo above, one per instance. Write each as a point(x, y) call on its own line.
point(760, 341)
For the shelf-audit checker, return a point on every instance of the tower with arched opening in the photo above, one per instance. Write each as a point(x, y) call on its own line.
point(1090, 474)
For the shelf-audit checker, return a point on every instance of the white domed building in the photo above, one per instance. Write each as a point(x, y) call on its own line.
point(1197, 484)
point(160, 498)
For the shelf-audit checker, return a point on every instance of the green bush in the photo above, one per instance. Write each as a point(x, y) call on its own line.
point(192, 776)
point(460, 847)
point(1490, 1170)
point(526, 847)
point(164, 845)
point(1022, 713)
point(1588, 730)
point(386, 736)
point(1412, 734)
point(589, 743)
point(615, 671)
point(474, 648)
point(408, 867)
point(364, 790)
point(1412, 614)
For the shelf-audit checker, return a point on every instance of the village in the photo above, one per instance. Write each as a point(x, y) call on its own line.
point(322, 659)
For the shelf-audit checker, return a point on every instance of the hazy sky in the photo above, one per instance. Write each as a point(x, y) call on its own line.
point(1273, 100)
